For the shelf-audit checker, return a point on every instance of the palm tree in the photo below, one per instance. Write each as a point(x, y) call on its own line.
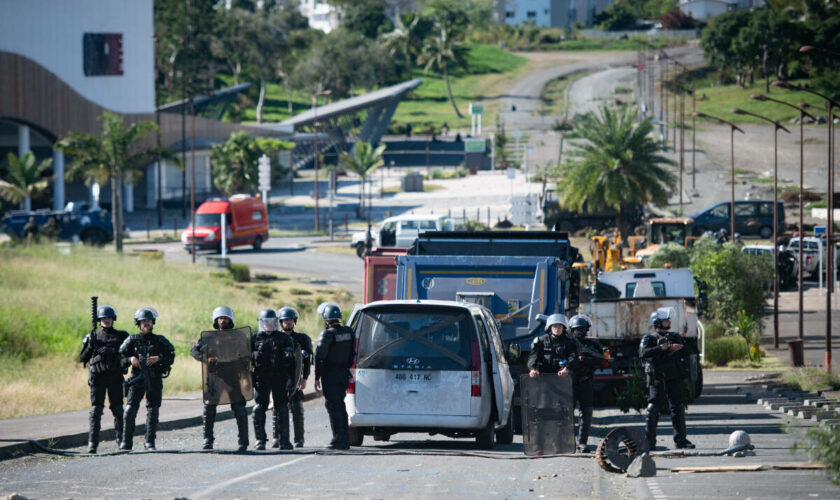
point(364, 160)
point(441, 51)
point(25, 179)
point(407, 37)
point(615, 167)
point(110, 157)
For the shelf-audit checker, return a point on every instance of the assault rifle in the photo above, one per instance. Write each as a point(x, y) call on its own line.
point(91, 346)
point(145, 374)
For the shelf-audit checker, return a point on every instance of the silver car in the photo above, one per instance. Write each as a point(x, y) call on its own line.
point(434, 367)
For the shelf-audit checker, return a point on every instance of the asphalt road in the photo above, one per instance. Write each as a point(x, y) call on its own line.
point(288, 256)
point(420, 466)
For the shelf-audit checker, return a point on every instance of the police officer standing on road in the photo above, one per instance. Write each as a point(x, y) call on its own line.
point(590, 357)
point(333, 358)
point(102, 355)
point(151, 357)
point(288, 320)
point(554, 352)
point(222, 320)
point(663, 353)
point(273, 355)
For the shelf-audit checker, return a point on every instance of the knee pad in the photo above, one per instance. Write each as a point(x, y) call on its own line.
point(652, 409)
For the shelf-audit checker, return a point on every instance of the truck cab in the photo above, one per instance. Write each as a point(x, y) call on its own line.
point(245, 220)
point(79, 221)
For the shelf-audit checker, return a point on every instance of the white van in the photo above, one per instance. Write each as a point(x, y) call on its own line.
point(429, 366)
point(401, 231)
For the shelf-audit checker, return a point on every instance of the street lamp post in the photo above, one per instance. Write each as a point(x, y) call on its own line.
point(776, 126)
point(802, 115)
point(830, 104)
point(733, 128)
point(315, 140)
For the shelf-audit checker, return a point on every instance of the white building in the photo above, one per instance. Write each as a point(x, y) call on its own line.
point(322, 16)
point(703, 10)
point(549, 13)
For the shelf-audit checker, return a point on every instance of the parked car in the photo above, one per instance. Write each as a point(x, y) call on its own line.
point(752, 218)
point(429, 366)
point(787, 263)
point(246, 223)
point(813, 251)
point(401, 231)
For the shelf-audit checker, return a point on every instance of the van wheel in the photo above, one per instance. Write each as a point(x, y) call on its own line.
point(505, 434)
point(360, 250)
point(766, 232)
point(94, 237)
point(356, 436)
point(258, 243)
point(484, 437)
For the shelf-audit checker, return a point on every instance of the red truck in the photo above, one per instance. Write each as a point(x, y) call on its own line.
point(246, 223)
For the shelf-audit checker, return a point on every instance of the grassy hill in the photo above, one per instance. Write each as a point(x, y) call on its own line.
point(45, 313)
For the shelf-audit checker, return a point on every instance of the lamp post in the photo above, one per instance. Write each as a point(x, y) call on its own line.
point(733, 128)
point(776, 126)
point(830, 105)
point(802, 115)
point(315, 126)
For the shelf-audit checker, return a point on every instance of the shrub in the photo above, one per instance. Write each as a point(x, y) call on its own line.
point(438, 174)
point(725, 349)
point(822, 443)
point(746, 326)
point(670, 253)
point(812, 379)
point(715, 329)
point(240, 272)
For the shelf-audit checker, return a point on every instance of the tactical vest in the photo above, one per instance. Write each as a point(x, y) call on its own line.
point(342, 349)
point(273, 352)
point(557, 353)
point(105, 357)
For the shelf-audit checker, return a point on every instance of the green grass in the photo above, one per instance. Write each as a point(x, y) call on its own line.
point(45, 313)
point(719, 100)
point(812, 379)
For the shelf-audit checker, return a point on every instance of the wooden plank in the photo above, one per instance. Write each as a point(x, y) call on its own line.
point(800, 466)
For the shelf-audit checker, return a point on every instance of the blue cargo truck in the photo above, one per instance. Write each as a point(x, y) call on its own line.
point(520, 276)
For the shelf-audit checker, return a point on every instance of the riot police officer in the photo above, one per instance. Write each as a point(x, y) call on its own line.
point(590, 357)
point(222, 320)
point(288, 320)
point(663, 353)
point(554, 352)
point(101, 352)
point(151, 357)
point(273, 355)
point(333, 358)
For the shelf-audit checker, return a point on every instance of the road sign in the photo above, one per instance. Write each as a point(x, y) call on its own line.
point(517, 134)
point(511, 173)
point(475, 145)
point(818, 230)
point(476, 108)
point(264, 169)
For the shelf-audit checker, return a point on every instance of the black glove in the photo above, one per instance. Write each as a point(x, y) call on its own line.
point(105, 350)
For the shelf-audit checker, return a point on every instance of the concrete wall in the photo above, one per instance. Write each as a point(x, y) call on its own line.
point(50, 32)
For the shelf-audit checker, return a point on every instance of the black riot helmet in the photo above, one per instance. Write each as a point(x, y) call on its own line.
point(146, 312)
point(288, 312)
point(268, 320)
point(330, 311)
point(580, 325)
point(106, 311)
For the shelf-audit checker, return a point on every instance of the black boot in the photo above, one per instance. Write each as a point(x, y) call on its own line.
point(128, 427)
point(341, 431)
point(652, 422)
point(584, 425)
point(242, 428)
point(94, 420)
point(281, 415)
point(209, 417)
point(678, 421)
point(297, 421)
point(259, 427)
point(118, 423)
point(151, 427)
point(275, 429)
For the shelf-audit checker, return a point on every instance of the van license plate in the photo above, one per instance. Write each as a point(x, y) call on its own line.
point(415, 377)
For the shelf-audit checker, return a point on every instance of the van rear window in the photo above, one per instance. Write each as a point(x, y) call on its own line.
point(412, 339)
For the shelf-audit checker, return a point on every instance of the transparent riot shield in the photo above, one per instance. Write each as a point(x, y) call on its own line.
point(226, 366)
point(547, 414)
point(298, 360)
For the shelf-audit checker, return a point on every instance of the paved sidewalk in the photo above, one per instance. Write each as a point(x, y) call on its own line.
point(70, 429)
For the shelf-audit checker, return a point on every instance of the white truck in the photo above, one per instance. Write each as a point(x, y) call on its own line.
point(620, 304)
point(400, 231)
point(813, 252)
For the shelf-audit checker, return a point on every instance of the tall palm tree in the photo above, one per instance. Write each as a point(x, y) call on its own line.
point(364, 160)
point(440, 52)
point(615, 166)
point(109, 157)
point(25, 179)
point(406, 39)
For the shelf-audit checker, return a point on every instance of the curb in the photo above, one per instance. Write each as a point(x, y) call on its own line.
point(14, 449)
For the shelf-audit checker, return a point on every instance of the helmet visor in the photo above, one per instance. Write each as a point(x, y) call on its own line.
point(269, 324)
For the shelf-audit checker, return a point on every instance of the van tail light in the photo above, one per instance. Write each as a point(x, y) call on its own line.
point(351, 387)
point(475, 369)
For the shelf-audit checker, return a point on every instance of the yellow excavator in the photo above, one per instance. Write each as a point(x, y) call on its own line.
point(608, 254)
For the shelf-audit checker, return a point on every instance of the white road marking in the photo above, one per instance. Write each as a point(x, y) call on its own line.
point(218, 487)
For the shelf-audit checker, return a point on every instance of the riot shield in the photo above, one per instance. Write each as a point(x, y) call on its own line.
point(298, 372)
point(547, 414)
point(226, 366)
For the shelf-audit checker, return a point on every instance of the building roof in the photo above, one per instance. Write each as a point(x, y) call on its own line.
point(346, 106)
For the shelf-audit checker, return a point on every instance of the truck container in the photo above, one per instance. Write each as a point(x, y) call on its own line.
point(380, 280)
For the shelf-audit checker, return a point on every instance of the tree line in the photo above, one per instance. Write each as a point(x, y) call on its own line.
point(198, 43)
point(764, 43)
